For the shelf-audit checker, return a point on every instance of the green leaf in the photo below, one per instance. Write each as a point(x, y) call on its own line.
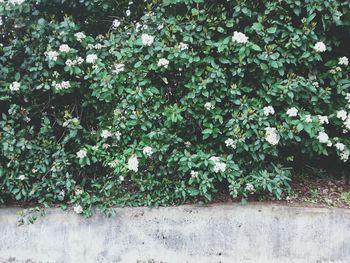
point(138, 64)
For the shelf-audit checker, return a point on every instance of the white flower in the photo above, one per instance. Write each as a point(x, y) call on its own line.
point(344, 156)
point(347, 97)
point(147, 40)
point(343, 61)
point(69, 63)
point(308, 118)
point(62, 193)
point(62, 85)
point(268, 110)
point(79, 36)
point(21, 177)
point(78, 191)
point(128, 12)
point(230, 143)
point(16, 2)
point(194, 173)
point(320, 47)
point(292, 112)
point(133, 163)
point(65, 85)
point(115, 23)
point(271, 136)
point(14, 86)
point(183, 46)
point(218, 165)
point(121, 178)
point(163, 62)
point(79, 60)
point(91, 58)
point(78, 209)
point(347, 123)
point(147, 151)
point(342, 114)
point(52, 55)
point(323, 119)
point(118, 135)
point(64, 48)
point(208, 106)
point(105, 134)
point(118, 68)
point(239, 37)
point(323, 137)
point(98, 46)
point(113, 163)
point(82, 153)
point(316, 84)
point(105, 146)
point(340, 146)
point(250, 188)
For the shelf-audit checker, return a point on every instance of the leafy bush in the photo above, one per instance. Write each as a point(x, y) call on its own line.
point(160, 102)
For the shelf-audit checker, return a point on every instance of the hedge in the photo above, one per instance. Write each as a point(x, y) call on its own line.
point(108, 103)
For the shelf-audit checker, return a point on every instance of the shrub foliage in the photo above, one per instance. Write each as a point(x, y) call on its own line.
point(160, 102)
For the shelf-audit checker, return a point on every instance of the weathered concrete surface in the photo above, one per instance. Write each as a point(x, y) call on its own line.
point(221, 233)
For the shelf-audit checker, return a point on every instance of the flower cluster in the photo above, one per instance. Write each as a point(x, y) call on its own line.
point(219, 166)
point(82, 153)
point(80, 36)
point(320, 47)
point(148, 151)
point(147, 40)
point(183, 46)
point(239, 37)
point(61, 86)
point(250, 188)
point(271, 136)
point(117, 68)
point(133, 163)
point(208, 106)
point(194, 174)
point(292, 112)
point(14, 86)
point(16, 2)
point(115, 24)
point(323, 119)
point(230, 143)
point(324, 138)
point(78, 209)
point(268, 110)
point(52, 55)
point(343, 61)
point(64, 48)
point(77, 61)
point(342, 114)
point(163, 62)
point(106, 134)
point(91, 58)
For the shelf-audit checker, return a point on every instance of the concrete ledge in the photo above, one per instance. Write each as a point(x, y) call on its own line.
point(220, 233)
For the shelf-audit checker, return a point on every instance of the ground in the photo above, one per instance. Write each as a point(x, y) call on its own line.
point(307, 190)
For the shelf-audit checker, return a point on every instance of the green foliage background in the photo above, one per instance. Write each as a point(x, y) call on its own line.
point(42, 128)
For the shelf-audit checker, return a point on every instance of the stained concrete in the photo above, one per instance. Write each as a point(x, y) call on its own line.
point(220, 233)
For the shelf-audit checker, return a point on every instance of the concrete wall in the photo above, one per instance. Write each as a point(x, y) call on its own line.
point(220, 233)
